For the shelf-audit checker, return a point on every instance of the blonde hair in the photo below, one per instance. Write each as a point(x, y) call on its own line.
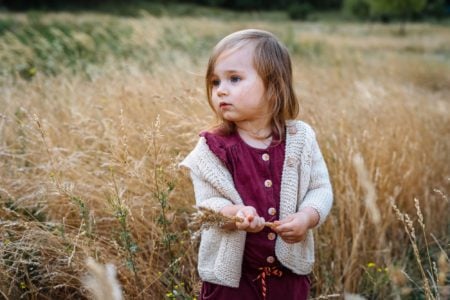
point(273, 64)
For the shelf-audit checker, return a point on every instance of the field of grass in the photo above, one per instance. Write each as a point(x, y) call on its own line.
point(97, 110)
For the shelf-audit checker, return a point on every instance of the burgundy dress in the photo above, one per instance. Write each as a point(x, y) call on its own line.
point(257, 178)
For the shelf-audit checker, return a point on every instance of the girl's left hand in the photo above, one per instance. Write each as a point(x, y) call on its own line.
point(293, 229)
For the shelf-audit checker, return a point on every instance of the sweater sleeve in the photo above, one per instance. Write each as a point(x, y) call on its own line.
point(213, 183)
point(319, 195)
point(206, 195)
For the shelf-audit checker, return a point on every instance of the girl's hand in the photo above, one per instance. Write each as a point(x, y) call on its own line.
point(293, 229)
point(252, 222)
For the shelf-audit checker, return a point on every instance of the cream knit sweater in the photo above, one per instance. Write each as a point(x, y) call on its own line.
point(304, 183)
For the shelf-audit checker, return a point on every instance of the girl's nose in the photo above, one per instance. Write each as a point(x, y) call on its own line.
point(222, 91)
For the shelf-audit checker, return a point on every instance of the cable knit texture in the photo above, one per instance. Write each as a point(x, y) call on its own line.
point(305, 183)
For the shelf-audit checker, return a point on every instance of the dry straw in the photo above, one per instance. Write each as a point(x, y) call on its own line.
point(411, 232)
point(102, 281)
point(205, 218)
point(396, 116)
point(367, 185)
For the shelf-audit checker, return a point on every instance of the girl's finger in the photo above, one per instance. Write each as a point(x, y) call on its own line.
point(282, 228)
point(255, 222)
point(286, 234)
point(259, 221)
point(281, 224)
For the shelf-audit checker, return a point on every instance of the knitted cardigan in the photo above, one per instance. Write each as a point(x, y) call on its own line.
point(305, 183)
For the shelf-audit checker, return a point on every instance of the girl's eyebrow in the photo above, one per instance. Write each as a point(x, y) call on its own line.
point(229, 72)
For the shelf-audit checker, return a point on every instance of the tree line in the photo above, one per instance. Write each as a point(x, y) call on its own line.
point(297, 9)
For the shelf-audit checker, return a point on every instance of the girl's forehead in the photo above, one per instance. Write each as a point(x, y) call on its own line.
point(235, 57)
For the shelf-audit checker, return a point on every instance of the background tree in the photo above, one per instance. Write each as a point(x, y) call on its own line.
point(401, 9)
point(357, 8)
point(437, 8)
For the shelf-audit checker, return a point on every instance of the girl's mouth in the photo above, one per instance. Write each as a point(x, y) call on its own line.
point(224, 104)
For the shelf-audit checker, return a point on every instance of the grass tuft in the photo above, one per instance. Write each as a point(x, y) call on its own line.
point(98, 110)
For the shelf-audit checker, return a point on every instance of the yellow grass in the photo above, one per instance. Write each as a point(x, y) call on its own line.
point(88, 165)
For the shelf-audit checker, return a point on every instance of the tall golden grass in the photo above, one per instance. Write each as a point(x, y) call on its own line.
point(88, 157)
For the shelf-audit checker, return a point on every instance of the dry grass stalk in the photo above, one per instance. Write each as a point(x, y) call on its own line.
point(442, 275)
point(205, 218)
point(102, 281)
point(349, 296)
point(326, 297)
point(370, 198)
point(391, 107)
point(444, 196)
point(33, 254)
point(410, 230)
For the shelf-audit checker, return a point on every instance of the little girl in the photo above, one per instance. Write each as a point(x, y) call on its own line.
point(261, 165)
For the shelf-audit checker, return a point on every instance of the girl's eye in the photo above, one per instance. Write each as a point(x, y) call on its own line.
point(235, 79)
point(215, 82)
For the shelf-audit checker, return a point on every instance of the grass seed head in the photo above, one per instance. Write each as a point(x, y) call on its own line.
point(102, 281)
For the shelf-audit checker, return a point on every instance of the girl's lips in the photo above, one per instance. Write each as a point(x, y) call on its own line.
point(224, 104)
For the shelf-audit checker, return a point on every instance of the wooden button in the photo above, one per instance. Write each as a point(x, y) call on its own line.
point(272, 211)
point(292, 130)
point(268, 183)
point(270, 259)
point(291, 162)
point(271, 236)
point(265, 157)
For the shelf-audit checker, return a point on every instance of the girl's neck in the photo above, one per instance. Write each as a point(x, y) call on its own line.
point(255, 136)
point(257, 131)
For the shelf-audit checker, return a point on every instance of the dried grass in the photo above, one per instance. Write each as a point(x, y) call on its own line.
point(205, 218)
point(102, 281)
point(96, 144)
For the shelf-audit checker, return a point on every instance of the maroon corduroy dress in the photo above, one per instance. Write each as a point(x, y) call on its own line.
point(257, 178)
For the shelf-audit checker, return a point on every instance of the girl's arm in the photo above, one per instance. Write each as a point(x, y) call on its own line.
point(315, 206)
point(207, 196)
point(319, 195)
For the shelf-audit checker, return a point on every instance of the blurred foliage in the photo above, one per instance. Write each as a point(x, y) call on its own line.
point(295, 9)
point(300, 11)
point(386, 10)
point(37, 45)
point(232, 4)
point(357, 8)
point(403, 9)
point(51, 47)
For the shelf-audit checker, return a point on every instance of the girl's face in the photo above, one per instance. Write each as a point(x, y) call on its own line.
point(237, 89)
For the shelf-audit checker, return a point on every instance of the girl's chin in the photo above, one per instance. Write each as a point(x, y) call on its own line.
point(233, 120)
point(228, 117)
point(231, 116)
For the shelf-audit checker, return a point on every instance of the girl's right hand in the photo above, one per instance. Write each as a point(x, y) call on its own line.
point(251, 221)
